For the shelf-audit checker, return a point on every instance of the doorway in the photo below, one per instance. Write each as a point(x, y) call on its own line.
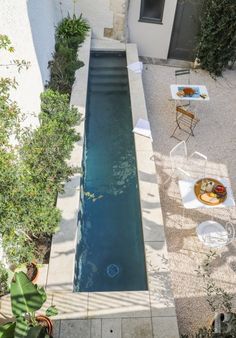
point(185, 30)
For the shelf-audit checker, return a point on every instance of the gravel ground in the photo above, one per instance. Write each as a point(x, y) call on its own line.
point(215, 136)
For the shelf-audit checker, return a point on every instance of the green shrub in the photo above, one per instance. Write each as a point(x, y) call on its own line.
point(19, 249)
point(35, 168)
point(32, 171)
point(46, 150)
point(70, 33)
point(63, 69)
point(3, 280)
point(72, 30)
point(55, 106)
point(28, 212)
point(217, 41)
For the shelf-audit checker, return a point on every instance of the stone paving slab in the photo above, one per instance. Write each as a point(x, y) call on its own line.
point(111, 328)
point(160, 288)
point(75, 328)
point(118, 304)
point(96, 328)
point(107, 44)
point(137, 327)
point(71, 305)
point(156, 327)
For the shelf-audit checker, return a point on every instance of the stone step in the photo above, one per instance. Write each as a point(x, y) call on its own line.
point(108, 68)
point(109, 75)
point(108, 81)
point(108, 91)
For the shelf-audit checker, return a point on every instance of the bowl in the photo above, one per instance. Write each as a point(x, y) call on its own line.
point(220, 190)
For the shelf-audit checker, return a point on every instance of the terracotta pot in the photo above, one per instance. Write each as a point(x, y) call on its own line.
point(46, 322)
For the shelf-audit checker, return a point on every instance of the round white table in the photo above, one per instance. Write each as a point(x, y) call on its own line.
point(212, 234)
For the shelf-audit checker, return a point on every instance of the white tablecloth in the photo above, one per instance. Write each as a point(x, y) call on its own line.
point(202, 89)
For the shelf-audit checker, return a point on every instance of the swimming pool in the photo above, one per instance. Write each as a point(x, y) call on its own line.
point(110, 250)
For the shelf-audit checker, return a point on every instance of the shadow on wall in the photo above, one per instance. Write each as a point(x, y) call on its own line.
point(43, 17)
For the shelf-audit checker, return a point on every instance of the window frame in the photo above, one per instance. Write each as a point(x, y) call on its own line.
point(146, 19)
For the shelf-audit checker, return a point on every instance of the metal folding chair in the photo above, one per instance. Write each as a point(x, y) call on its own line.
point(185, 121)
point(182, 72)
point(183, 76)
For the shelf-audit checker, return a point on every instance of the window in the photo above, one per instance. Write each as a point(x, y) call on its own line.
point(152, 11)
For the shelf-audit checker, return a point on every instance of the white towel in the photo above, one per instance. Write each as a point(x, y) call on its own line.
point(136, 67)
point(142, 127)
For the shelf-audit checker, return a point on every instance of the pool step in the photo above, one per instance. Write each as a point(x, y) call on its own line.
point(113, 71)
point(108, 81)
point(108, 89)
point(108, 75)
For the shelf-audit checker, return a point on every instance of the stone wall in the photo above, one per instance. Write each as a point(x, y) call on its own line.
point(119, 9)
point(107, 18)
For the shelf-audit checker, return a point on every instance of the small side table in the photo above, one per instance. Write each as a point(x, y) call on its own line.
point(212, 234)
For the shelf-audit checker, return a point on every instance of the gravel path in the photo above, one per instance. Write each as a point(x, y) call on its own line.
point(215, 136)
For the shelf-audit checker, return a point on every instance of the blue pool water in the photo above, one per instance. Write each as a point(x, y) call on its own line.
point(110, 251)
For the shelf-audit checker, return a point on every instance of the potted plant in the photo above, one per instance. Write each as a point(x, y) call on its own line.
point(26, 299)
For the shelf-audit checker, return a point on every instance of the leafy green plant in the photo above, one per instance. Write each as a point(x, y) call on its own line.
point(33, 170)
point(71, 30)
point(5, 43)
point(70, 33)
point(3, 280)
point(218, 299)
point(202, 333)
point(46, 150)
point(26, 299)
point(220, 303)
point(217, 42)
point(63, 67)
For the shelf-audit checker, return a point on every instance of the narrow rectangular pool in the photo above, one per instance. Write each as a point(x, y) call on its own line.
point(110, 250)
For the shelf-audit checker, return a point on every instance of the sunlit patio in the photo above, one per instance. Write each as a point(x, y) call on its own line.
point(215, 137)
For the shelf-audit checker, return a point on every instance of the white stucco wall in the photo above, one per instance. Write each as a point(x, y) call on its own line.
point(30, 25)
point(152, 39)
point(98, 13)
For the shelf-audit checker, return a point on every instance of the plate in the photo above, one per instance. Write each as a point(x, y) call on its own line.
point(206, 197)
point(195, 89)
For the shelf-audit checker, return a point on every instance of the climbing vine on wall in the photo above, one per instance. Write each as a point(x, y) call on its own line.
point(217, 40)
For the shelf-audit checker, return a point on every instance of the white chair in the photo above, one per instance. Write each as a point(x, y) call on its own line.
point(230, 228)
point(193, 166)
